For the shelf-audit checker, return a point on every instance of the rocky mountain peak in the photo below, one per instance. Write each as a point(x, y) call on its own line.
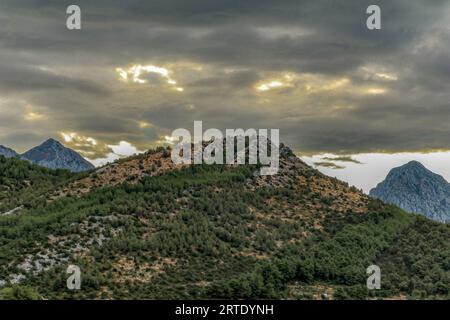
point(52, 142)
point(52, 154)
point(414, 188)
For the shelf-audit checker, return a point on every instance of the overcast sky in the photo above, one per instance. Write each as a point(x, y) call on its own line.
point(139, 69)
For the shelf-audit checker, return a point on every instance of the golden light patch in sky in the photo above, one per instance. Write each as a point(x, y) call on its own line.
point(376, 91)
point(135, 73)
point(77, 140)
point(33, 116)
point(122, 73)
point(270, 85)
point(170, 140)
point(336, 84)
point(143, 124)
point(316, 83)
point(88, 147)
point(99, 152)
point(311, 83)
point(282, 82)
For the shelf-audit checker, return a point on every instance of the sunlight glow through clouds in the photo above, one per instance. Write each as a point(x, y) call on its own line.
point(270, 85)
point(90, 147)
point(311, 83)
point(283, 82)
point(122, 149)
point(376, 91)
point(135, 73)
point(315, 84)
point(143, 124)
point(32, 116)
point(169, 140)
point(78, 140)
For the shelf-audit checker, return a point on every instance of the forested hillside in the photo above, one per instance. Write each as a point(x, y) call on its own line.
point(223, 232)
point(22, 183)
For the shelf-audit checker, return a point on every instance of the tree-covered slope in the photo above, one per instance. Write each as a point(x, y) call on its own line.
point(222, 232)
point(22, 183)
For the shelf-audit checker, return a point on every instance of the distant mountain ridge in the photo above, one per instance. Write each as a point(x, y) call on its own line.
point(416, 189)
point(51, 154)
point(7, 152)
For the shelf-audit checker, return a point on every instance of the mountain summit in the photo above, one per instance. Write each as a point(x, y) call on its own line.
point(52, 154)
point(414, 188)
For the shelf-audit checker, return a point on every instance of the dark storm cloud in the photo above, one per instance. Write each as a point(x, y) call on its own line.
point(69, 77)
point(30, 78)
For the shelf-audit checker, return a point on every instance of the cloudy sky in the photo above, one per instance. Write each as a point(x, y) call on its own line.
point(139, 69)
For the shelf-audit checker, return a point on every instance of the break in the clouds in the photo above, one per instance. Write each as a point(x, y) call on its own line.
point(139, 69)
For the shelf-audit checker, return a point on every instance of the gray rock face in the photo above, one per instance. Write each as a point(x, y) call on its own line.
point(52, 154)
point(7, 152)
point(414, 188)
